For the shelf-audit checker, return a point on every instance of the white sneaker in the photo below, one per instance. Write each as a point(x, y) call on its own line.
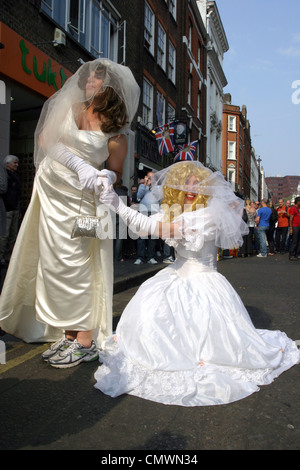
point(73, 355)
point(55, 348)
point(152, 261)
point(138, 261)
point(261, 256)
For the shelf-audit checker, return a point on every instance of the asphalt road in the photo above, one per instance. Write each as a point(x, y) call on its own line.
point(43, 408)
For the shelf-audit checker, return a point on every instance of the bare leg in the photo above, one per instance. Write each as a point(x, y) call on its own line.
point(83, 337)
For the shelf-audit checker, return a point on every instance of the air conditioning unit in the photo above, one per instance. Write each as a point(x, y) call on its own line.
point(59, 38)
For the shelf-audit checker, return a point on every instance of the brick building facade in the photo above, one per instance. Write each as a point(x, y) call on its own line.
point(236, 147)
point(283, 186)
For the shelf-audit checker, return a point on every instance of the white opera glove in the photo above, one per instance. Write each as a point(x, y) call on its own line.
point(108, 178)
point(87, 174)
point(132, 217)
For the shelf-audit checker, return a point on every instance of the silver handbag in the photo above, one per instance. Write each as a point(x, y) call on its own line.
point(86, 226)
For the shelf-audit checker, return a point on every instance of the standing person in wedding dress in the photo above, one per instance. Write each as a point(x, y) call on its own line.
point(59, 288)
point(185, 338)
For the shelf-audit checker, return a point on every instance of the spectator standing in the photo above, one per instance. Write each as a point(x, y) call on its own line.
point(256, 206)
point(249, 218)
point(282, 226)
point(262, 223)
point(148, 206)
point(289, 236)
point(271, 231)
point(133, 197)
point(294, 229)
point(11, 201)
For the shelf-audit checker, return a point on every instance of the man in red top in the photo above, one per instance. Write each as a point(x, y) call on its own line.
point(295, 230)
point(282, 226)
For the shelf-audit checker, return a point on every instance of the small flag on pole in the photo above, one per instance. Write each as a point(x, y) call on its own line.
point(186, 152)
point(165, 138)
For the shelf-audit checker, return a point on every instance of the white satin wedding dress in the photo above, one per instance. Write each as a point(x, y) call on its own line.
point(185, 338)
point(54, 282)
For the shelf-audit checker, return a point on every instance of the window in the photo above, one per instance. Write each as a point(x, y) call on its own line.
point(199, 56)
point(190, 35)
point(161, 47)
point(170, 113)
point(172, 63)
point(232, 123)
point(147, 104)
point(95, 30)
point(92, 23)
point(149, 28)
point(231, 177)
point(189, 97)
point(76, 16)
point(103, 33)
point(160, 109)
point(231, 150)
point(199, 104)
point(172, 8)
point(47, 6)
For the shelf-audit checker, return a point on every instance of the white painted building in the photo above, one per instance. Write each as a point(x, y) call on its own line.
point(254, 188)
point(216, 81)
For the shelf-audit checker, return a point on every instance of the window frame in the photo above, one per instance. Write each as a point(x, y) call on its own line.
point(149, 19)
point(88, 33)
point(172, 62)
point(233, 120)
point(161, 46)
point(173, 8)
point(147, 112)
point(231, 145)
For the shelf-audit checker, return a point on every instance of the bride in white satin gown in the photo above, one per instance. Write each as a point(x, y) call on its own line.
point(58, 287)
point(186, 338)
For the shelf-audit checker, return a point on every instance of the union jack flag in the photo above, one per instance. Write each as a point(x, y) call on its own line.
point(186, 152)
point(165, 138)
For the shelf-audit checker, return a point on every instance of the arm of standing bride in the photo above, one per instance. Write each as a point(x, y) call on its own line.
point(143, 223)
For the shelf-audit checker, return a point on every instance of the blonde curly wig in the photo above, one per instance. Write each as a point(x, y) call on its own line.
point(178, 175)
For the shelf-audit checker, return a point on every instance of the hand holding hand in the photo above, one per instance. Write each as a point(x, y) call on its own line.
point(108, 178)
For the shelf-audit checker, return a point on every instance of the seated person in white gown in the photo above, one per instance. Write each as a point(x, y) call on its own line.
point(185, 338)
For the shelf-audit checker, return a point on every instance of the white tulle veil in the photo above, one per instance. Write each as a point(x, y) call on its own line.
point(72, 95)
point(221, 202)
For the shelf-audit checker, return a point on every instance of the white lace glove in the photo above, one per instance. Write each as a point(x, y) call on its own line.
point(87, 174)
point(140, 221)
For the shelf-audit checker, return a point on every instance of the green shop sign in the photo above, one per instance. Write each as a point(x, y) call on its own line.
point(47, 75)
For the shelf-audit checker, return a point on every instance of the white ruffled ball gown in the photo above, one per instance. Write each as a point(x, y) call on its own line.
point(185, 338)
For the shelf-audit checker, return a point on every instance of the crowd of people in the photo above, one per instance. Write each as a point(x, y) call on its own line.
point(272, 229)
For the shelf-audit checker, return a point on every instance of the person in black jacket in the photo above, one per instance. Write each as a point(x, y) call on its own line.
point(11, 201)
point(270, 232)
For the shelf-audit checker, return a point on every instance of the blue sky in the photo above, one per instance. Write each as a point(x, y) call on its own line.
point(261, 66)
